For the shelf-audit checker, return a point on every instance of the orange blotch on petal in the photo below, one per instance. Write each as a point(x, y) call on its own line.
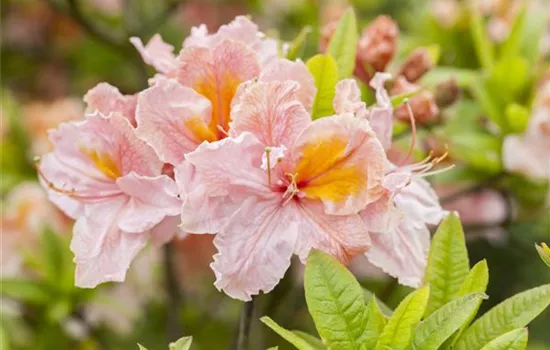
point(200, 129)
point(103, 162)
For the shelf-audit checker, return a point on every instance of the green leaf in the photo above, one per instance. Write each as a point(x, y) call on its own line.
point(515, 312)
point(335, 301)
point(508, 78)
point(482, 43)
point(26, 291)
point(512, 45)
point(398, 332)
point(53, 252)
point(478, 149)
point(448, 263)
point(439, 326)
point(301, 340)
point(375, 324)
point(544, 252)
point(386, 310)
point(298, 44)
point(325, 73)
point(343, 44)
point(141, 347)
point(513, 340)
point(181, 344)
point(517, 117)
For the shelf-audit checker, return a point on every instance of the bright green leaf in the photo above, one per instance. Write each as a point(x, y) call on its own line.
point(398, 332)
point(335, 301)
point(512, 45)
point(517, 117)
point(515, 312)
point(141, 347)
point(297, 45)
point(295, 338)
point(181, 344)
point(482, 43)
point(325, 73)
point(439, 326)
point(508, 78)
point(544, 252)
point(448, 263)
point(513, 340)
point(386, 310)
point(375, 324)
point(343, 44)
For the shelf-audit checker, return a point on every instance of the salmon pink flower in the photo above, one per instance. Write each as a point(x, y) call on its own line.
point(106, 99)
point(101, 174)
point(398, 220)
point(280, 185)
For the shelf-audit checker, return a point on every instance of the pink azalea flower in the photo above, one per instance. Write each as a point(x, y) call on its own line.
point(175, 116)
point(280, 185)
point(106, 99)
point(398, 220)
point(101, 174)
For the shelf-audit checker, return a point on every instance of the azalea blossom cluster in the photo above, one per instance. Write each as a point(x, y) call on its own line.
point(223, 142)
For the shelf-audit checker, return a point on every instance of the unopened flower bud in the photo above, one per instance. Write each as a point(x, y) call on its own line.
point(417, 64)
point(423, 106)
point(378, 43)
point(446, 93)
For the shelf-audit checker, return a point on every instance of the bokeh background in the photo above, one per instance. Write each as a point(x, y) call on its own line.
point(53, 51)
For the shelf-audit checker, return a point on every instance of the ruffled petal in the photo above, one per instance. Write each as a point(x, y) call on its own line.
point(157, 53)
point(342, 236)
point(254, 248)
point(339, 161)
point(151, 200)
point(166, 230)
point(102, 251)
point(381, 114)
point(283, 70)
point(216, 74)
point(419, 201)
point(271, 111)
point(107, 99)
point(347, 99)
point(173, 119)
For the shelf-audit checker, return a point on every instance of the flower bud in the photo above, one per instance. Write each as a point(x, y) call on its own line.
point(417, 64)
point(423, 106)
point(378, 43)
point(446, 93)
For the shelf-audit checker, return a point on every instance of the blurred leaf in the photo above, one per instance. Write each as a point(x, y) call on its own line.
point(517, 117)
point(544, 252)
point(53, 251)
point(491, 108)
point(343, 44)
point(375, 324)
point(141, 347)
point(397, 100)
point(4, 342)
point(507, 78)
point(435, 329)
point(515, 312)
point(398, 331)
point(434, 51)
point(512, 45)
point(325, 73)
point(482, 43)
point(297, 46)
point(513, 340)
point(59, 310)
point(448, 263)
point(181, 344)
point(293, 337)
point(32, 292)
point(477, 149)
point(463, 77)
point(335, 301)
point(386, 310)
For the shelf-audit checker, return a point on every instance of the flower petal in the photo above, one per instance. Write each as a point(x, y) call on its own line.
point(107, 99)
point(157, 53)
point(271, 111)
point(254, 248)
point(342, 236)
point(151, 200)
point(347, 99)
point(339, 161)
point(216, 74)
point(166, 230)
point(381, 114)
point(173, 119)
point(420, 202)
point(283, 70)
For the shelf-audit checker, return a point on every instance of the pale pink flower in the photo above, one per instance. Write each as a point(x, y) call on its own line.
point(398, 220)
point(174, 117)
point(326, 172)
point(110, 181)
point(107, 99)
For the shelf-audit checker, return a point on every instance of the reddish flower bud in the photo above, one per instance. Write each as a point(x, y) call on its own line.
point(378, 44)
point(446, 93)
point(417, 64)
point(422, 104)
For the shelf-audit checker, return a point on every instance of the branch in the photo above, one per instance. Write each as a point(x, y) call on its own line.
point(175, 298)
point(244, 325)
point(159, 19)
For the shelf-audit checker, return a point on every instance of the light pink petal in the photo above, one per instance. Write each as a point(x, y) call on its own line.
point(173, 119)
point(342, 236)
point(348, 99)
point(102, 251)
point(166, 230)
point(157, 53)
point(199, 37)
point(340, 162)
point(402, 250)
point(381, 114)
point(419, 201)
point(151, 200)
point(483, 207)
point(271, 111)
point(283, 69)
point(378, 216)
point(216, 74)
point(107, 99)
point(254, 248)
